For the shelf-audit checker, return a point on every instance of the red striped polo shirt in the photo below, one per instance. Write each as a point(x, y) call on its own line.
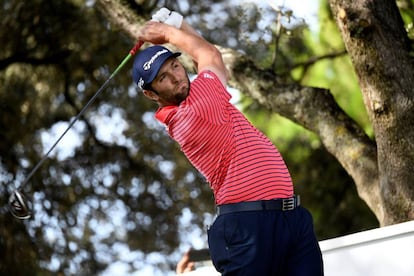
point(239, 162)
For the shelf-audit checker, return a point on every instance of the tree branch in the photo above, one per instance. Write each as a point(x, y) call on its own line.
point(122, 16)
point(314, 60)
point(53, 58)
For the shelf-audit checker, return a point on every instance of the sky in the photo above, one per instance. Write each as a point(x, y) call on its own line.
point(306, 9)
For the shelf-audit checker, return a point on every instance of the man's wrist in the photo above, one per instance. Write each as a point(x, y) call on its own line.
point(171, 33)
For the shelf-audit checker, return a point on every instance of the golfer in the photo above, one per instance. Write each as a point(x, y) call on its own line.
point(261, 229)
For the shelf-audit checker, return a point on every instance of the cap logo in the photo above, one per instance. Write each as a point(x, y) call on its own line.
point(141, 83)
point(147, 65)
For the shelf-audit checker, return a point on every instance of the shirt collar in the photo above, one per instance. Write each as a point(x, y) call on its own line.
point(164, 114)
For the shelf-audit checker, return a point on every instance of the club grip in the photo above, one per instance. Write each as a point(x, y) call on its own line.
point(136, 47)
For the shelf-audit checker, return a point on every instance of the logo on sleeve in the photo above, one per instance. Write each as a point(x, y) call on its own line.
point(208, 76)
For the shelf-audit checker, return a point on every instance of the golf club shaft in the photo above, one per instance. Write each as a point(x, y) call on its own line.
point(120, 66)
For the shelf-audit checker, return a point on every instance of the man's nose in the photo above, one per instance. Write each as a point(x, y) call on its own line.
point(174, 78)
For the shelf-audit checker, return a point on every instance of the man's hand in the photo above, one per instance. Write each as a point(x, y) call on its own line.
point(155, 32)
point(168, 17)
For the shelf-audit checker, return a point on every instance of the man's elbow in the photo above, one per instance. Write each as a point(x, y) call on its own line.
point(221, 66)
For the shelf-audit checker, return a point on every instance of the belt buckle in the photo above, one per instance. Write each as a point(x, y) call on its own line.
point(288, 204)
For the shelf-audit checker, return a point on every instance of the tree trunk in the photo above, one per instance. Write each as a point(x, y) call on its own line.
point(375, 38)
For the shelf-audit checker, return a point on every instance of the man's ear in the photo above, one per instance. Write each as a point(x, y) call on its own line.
point(151, 95)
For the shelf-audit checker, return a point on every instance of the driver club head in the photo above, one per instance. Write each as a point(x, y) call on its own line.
point(19, 205)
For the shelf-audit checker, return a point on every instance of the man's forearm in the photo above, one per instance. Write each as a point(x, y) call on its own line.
point(189, 41)
point(188, 29)
point(201, 51)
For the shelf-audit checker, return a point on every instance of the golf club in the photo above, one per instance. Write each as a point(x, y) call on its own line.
point(18, 204)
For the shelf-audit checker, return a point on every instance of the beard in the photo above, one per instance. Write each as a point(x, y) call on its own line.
point(182, 92)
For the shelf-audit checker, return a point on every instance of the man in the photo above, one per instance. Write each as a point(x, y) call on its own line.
point(261, 229)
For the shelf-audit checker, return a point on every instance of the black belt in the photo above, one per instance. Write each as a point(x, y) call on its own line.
point(281, 204)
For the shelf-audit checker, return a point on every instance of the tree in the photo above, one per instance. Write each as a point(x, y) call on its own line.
point(375, 38)
point(382, 54)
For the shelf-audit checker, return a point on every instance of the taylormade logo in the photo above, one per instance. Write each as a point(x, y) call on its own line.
point(147, 65)
point(141, 83)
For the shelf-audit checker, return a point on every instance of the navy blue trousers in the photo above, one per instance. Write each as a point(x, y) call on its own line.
point(265, 243)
